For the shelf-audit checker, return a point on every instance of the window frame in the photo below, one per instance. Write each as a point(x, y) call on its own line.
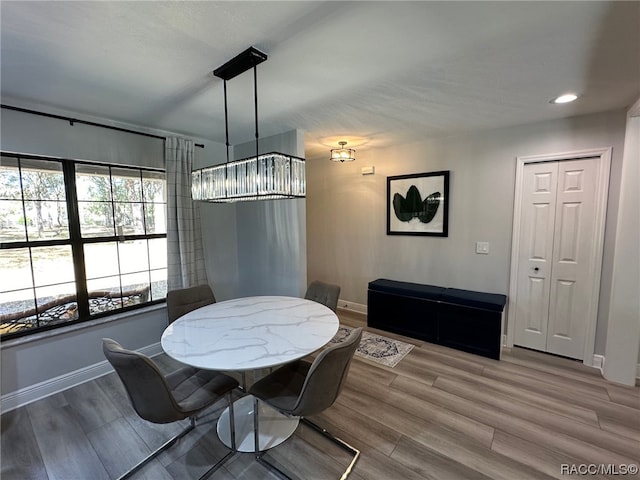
point(77, 242)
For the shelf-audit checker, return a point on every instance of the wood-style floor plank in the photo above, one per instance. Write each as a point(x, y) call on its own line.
point(439, 414)
point(625, 396)
point(374, 465)
point(432, 465)
point(302, 460)
point(536, 456)
point(542, 417)
point(555, 365)
point(562, 382)
point(619, 428)
point(92, 406)
point(152, 434)
point(19, 451)
point(369, 429)
point(383, 401)
point(475, 456)
point(487, 415)
point(120, 448)
point(567, 394)
point(66, 451)
point(374, 374)
point(535, 400)
point(243, 466)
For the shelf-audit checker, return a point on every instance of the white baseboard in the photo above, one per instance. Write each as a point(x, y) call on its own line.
point(598, 362)
point(352, 306)
point(24, 396)
point(637, 373)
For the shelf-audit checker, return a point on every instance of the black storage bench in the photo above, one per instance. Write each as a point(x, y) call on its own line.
point(461, 319)
point(409, 309)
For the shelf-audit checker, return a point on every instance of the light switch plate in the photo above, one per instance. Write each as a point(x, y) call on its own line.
point(482, 247)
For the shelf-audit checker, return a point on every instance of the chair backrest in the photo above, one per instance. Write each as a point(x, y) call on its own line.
point(326, 376)
point(185, 300)
point(145, 384)
point(324, 293)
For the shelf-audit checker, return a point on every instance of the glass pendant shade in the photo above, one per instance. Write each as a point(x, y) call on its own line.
point(343, 154)
point(267, 177)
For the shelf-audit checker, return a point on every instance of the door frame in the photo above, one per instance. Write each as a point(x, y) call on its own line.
point(602, 193)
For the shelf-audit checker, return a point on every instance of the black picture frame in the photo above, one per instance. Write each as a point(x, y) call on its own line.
point(418, 204)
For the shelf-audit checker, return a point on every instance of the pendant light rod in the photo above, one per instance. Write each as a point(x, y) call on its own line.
point(255, 103)
point(226, 119)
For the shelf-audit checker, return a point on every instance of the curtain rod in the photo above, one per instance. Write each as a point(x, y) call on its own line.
point(85, 122)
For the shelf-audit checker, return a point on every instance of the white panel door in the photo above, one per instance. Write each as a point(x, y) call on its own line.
point(556, 261)
point(572, 266)
point(535, 254)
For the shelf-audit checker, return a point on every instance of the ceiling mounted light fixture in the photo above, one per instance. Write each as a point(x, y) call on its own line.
point(343, 154)
point(266, 176)
point(566, 98)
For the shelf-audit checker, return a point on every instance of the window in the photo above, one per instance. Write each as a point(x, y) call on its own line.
point(78, 240)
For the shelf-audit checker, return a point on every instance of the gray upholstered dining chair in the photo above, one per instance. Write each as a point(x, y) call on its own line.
point(324, 293)
point(169, 398)
point(303, 388)
point(184, 300)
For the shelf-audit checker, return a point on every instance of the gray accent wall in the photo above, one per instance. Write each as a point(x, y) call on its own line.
point(257, 248)
point(346, 211)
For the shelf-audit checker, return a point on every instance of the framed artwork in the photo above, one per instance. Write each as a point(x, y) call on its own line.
point(418, 204)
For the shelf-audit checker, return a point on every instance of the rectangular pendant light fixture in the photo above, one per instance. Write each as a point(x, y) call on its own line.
point(266, 176)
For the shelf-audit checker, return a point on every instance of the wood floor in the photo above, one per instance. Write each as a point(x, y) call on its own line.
point(439, 414)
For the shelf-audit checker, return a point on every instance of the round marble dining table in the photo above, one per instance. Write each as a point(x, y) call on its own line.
point(251, 333)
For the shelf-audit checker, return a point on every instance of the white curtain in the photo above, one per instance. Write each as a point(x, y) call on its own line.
point(186, 266)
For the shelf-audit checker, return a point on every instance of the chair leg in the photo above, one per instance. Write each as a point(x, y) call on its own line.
point(158, 451)
point(232, 428)
point(341, 443)
point(338, 441)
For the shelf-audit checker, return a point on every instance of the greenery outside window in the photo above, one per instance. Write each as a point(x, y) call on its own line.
point(78, 240)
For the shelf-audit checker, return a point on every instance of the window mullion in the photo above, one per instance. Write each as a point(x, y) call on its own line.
point(27, 243)
point(77, 249)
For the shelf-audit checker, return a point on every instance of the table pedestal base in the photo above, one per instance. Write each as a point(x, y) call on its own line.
point(275, 427)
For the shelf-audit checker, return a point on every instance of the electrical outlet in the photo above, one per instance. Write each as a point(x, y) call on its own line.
point(482, 247)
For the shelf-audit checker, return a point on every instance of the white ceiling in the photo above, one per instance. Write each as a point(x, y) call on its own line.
point(372, 73)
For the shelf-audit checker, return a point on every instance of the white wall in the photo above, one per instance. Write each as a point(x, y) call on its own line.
point(257, 248)
point(28, 133)
point(622, 349)
point(346, 211)
point(47, 355)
